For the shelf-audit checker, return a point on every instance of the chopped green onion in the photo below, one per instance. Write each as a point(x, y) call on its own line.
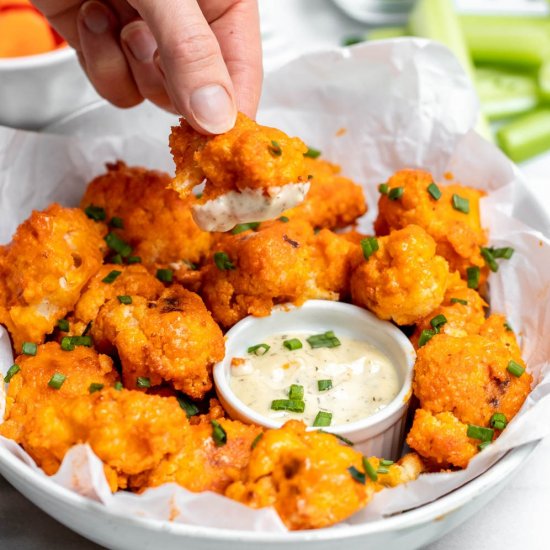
point(297, 406)
point(339, 437)
point(369, 469)
point(312, 153)
point(68, 343)
point(94, 386)
point(483, 445)
point(461, 204)
point(275, 148)
point(116, 259)
point(256, 440)
point(506, 252)
point(219, 435)
point(515, 368)
point(385, 462)
point(63, 325)
point(96, 213)
point(395, 193)
point(323, 418)
point(117, 222)
point(110, 278)
point(472, 275)
point(498, 421)
point(284, 219)
point(383, 188)
point(357, 475)
point(12, 371)
point(56, 381)
point(382, 470)
point(29, 348)
point(487, 255)
point(118, 386)
point(369, 246)
point(133, 260)
point(126, 300)
point(437, 322)
point(143, 382)
point(508, 327)
point(324, 385)
point(190, 408)
point(240, 228)
point(480, 432)
point(222, 261)
point(165, 275)
point(325, 340)
point(114, 242)
point(434, 191)
point(259, 349)
point(292, 344)
point(296, 392)
point(351, 40)
point(425, 336)
point(459, 301)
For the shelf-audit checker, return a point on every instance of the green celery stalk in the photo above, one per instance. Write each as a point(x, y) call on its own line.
point(383, 33)
point(526, 136)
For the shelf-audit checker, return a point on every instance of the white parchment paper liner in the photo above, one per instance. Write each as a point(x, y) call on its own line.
point(374, 109)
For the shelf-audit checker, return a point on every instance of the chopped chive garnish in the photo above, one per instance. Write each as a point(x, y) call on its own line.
point(143, 382)
point(56, 381)
point(118, 386)
point(111, 277)
point(256, 440)
point(199, 195)
point(505, 253)
point(165, 275)
point(382, 470)
point(351, 40)
point(383, 188)
point(369, 246)
point(222, 261)
point(189, 408)
point(385, 462)
point(116, 259)
point(508, 327)
point(369, 469)
point(515, 368)
point(459, 301)
point(95, 387)
point(480, 432)
point(324, 385)
point(357, 475)
point(63, 325)
point(425, 336)
point(275, 148)
point(498, 421)
point(297, 406)
point(325, 340)
point(68, 343)
point(437, 322)
point(472, 276)
point(114, 242)
point(127, 300)
point(12, 371)
point(292, 344)
point(483, 445)
point(96, 213)
point(312, 153)
point(339, 437)
point(395, 193)
point(133, 260)
point(296, 392)
point(487, 255)
point(117, 222)
point(240, 228)
point(219, 435)
point(284, 219)
point(461, 204)
point(434, 191)
point(29, 348)
point(259, 349)
point(323, 418)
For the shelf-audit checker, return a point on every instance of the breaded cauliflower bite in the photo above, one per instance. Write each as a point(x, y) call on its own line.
point(252, 172)
point(309, 477)
point(280, 262)
point(173, 338)
point(403, 280)
point(452, 219)
point(51, 257)
point(155, 221)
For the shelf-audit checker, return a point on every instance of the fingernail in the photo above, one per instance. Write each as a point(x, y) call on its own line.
point(95, 16)
point(139, 40)
point(213, 109)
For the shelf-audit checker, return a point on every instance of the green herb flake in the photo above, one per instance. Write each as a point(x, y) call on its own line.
point(292, 344)
point(63, 325)
point(222, 261)
point(188, 407)
point(57, 380)
point(96, 213)
point(165, 275)
point(324, 340)
point(126, 300)
point(425, 336)
point(459, 301)
point(114, 242)
point(312, 153)
point(12, 371)
point(461, 204)
point(472, 276)
point(242, 227)
point(29, 348)
point(324, 385)
point(116, 222)
point(111, 277)
point(369, 469)
point(434, 191)
point(369, 246)
point(219, 435)
point(275, 149)
point(291, 405)
point(322, 418)
point(259, 349)
point(94, 386)
point(143, 382)
point(395, 193)
point(357, 475)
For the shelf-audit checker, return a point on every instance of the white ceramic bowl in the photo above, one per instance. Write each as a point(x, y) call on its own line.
point(35, 90)
point(380, 434)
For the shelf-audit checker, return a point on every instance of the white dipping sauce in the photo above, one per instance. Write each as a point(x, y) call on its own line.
point(363, 378)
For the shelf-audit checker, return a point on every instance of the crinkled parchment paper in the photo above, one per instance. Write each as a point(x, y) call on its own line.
point(374, 109)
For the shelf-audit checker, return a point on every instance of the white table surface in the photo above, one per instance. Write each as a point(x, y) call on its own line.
point(517, 518)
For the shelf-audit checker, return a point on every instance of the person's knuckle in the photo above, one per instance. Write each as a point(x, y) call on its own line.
point(196, 47)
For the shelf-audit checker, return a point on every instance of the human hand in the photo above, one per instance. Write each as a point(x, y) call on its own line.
point(200, 58)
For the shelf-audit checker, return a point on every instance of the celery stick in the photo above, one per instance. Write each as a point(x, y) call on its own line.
point(526, 136)
point(544, 82)
point(517, 41)
point(383, 33)
point(505, 93)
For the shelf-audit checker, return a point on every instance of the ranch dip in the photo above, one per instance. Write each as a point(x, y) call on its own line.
point(327, 380)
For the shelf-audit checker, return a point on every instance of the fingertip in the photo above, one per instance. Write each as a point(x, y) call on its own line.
point(212, 109)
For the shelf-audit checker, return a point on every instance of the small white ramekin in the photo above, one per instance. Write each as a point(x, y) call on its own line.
point(378, 435)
